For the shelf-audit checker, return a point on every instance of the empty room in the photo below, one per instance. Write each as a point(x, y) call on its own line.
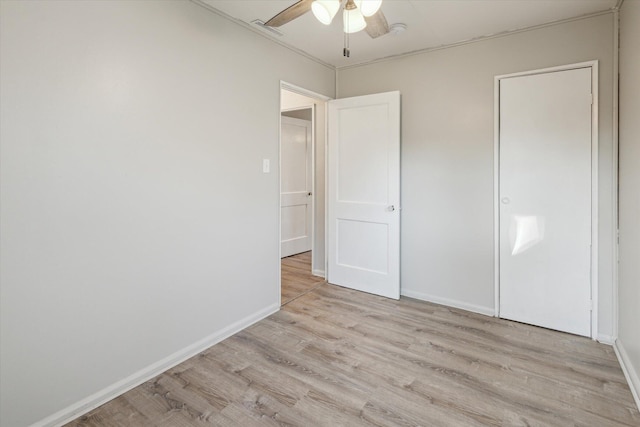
point(319, 212)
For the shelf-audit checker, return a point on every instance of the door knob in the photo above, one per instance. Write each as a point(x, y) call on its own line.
point(505, 200)
point(391, 208)
point(309, 193)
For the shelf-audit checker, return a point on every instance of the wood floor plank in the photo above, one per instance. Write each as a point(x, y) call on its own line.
point(333, 356)
point(296, 277)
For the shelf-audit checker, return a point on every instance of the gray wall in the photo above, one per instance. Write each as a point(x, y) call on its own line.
point(629, 196)
point(305, 114)
point(447, 154)
point(132, 192)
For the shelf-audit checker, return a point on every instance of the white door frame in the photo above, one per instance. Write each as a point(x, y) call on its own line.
point(594, 181)
point(317, 96)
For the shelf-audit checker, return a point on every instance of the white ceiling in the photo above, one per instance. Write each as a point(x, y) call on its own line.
point(431, 23)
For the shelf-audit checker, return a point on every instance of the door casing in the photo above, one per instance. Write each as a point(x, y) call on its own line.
point(319, 97)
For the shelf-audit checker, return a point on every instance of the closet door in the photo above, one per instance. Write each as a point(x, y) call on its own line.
point(545, 199)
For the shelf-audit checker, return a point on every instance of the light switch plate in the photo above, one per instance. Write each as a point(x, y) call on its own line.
point(266, 167)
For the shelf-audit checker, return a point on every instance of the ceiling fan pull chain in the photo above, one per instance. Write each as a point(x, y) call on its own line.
point(346, 52)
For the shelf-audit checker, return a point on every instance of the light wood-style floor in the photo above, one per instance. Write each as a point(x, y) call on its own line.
point(337, 357)
point(297, 279)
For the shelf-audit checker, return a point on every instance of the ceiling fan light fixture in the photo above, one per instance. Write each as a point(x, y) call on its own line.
point(368, 7)
point(325, 10)
point(353, 21)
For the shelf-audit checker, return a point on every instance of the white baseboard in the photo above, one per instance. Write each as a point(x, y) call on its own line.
point(629, 371)
point(319, 273)
point(103, 396)
point(605, 339)
point(487, 311)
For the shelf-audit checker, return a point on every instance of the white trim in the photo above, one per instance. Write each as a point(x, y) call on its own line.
point(304, 107)
point(261, 32)
point(605, 339)
point(615, 160)
point(487, 311)
point(279, 269)
point(304, 92)
point(595, 216)
point(470, 41)
point(319, 273)
point(577, 65)
point(301, 52)
point(326, 188)
point(496, 195)
point(629, 373)
point(594, 181)
point(145, 374)
point(314, 193)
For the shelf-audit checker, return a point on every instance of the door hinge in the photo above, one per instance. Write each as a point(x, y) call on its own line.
point(590, 305)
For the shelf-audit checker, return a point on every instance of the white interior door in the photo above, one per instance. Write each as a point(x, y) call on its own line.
point(545, 199)
point(295, 186)
point(364, 193)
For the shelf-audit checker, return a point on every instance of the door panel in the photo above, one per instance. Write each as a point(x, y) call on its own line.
point(545, 200)
point(295, 186)
point(364, 193)
point(363, 181)
point(354, 234)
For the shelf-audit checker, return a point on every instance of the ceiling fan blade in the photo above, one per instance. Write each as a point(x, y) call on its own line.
point(290, 13)
point(377, 25)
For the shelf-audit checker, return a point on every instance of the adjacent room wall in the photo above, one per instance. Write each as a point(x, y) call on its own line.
point(628, 343)
point(447, 249)
point(132, 193)
point(289, 100)
point(304, 114)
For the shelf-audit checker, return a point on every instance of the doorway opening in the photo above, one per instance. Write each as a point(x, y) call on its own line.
point(296, 278)
point(302, 198)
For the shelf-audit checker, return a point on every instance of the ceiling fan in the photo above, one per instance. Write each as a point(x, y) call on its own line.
point(357, 15)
